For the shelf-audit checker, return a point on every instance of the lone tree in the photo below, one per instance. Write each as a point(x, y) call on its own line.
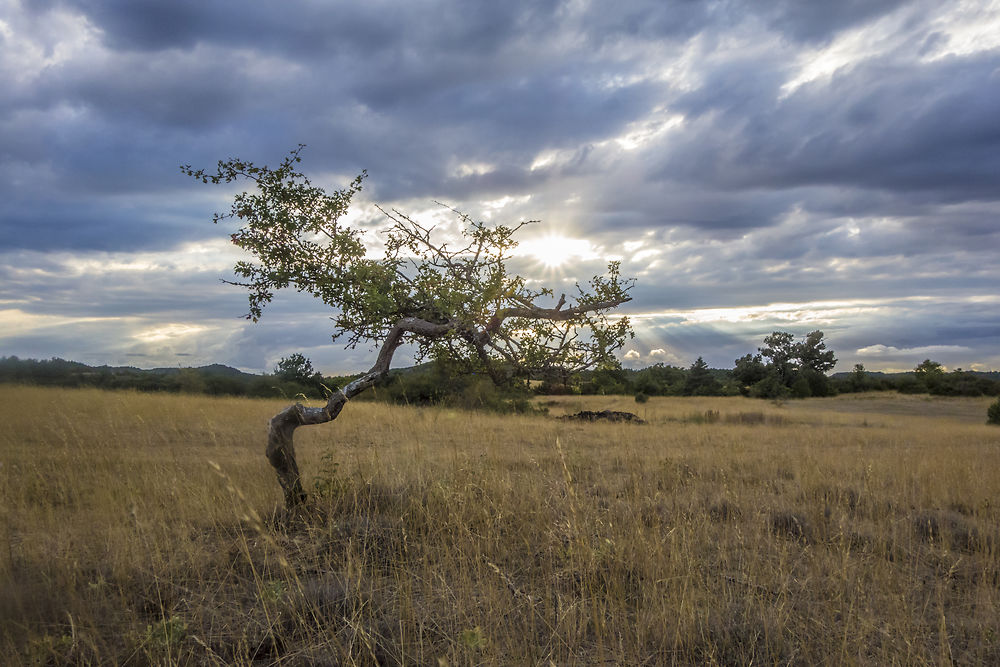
point(796, 367)
point(295, 368)
point(453, 299)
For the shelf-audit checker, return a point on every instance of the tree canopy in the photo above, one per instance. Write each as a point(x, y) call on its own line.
point(295, 368)
point(454, 298)
point(793, 368)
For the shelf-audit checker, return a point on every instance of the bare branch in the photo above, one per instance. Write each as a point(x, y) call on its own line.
point(553, 314)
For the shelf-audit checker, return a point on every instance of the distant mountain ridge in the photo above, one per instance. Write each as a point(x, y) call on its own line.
point(212, 378)
point(211, 369)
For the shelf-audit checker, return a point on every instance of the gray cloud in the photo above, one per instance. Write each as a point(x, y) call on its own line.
point(819, 21)
point(883, 124)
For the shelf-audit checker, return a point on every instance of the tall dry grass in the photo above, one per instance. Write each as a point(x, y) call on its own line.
point(143, 529)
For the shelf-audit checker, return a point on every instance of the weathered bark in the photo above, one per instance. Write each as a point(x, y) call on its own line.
point(281, 449)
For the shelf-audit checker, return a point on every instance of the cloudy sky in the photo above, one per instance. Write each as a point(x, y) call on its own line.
point(757, 166)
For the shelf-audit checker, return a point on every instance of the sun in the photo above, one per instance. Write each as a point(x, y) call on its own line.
point(555, 251)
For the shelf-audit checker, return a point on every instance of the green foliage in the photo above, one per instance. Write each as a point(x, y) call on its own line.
point(928, 375)
point(962, 383)
point(473, 638)
point(770, 387)
point(811, 354)
point(859, 380)
point(750, 369)
point(819, 383)
point(660, 380)
point(166, 633)
point(292, 228)
point(800, 387)
point(328, 482)
point(295, 368)
point(640, 397)
point(779, 347)
point(656, 380)
point(700, 381)
point(294, 375)
point(273, 591)
point(786, 356)
point(796, 369)
point(439, 383)
point(607, 381)
point(993, 413)
point(928, 370)
point(214, 380)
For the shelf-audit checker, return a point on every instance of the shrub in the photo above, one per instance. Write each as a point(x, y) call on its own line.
point(993, 413)
point(800, 388)
point(769, 387)
point(641, 398)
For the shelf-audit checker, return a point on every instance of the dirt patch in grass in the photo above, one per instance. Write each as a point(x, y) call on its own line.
point(604, 415)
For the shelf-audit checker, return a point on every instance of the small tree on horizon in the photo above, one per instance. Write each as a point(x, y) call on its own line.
point(780, 348)
point(928, 369)
point(700, 380)
point(858, 380)
point(812, 354)
point(798, 368)
point(456, 303)
point(295, 368)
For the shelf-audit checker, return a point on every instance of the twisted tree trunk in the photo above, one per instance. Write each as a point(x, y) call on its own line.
point(280, 446)
point(281, 449)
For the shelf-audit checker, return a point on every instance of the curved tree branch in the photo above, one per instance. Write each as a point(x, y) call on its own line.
point(556, 314)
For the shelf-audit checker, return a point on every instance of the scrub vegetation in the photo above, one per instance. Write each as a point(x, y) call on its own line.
point(857, 529)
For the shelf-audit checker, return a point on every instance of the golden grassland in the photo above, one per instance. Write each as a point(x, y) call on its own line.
point(145, 529)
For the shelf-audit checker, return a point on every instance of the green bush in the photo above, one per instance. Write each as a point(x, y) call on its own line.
point(769, 387)
point(993, 413)
point(800, 388)
point(641, 398)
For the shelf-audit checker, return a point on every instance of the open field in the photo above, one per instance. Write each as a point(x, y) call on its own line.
point(852, 530)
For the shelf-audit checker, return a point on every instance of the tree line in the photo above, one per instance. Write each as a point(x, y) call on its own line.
point(213, 380)
point(781, 368)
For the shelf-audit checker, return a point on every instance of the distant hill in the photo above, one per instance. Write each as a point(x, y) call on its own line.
point(211, 379)
point(212, 369)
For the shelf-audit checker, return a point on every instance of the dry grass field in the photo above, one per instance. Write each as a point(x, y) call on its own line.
point(144, 529)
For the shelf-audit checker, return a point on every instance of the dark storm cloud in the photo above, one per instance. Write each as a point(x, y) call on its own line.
point(309, 29)
point(102, 288)
point(819, 21)
point(384, 91)
point(118, 223)
point(930, 128)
